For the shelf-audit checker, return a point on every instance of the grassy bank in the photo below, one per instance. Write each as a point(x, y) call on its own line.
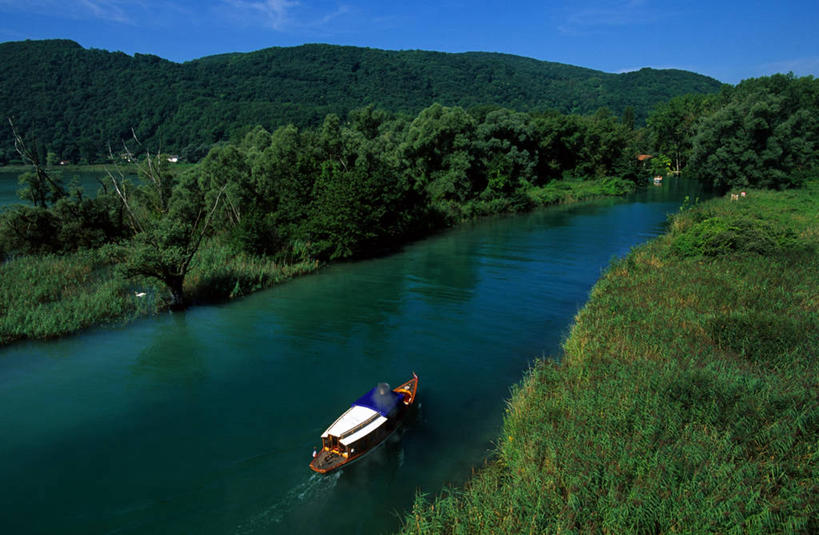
point(687, 399)
point(553, 193)
point(54, 295)
point(566, 191)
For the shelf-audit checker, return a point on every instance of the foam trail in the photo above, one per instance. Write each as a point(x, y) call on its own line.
point(314, 487)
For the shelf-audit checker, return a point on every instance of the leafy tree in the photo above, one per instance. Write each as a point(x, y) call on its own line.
point(576, 146)
point(673, 125)
point(38, 186)
point(362, 202)
point(29, 230)
point(628, 118)
point(507, 150)
point(439, 150)
point(764, 133)
point(57, 222)
point(284, 176)
point(367, 120)
point(169, 217)
point(660, 165)
point(226, 172)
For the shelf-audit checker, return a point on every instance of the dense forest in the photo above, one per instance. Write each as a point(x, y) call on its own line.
point(78, 102)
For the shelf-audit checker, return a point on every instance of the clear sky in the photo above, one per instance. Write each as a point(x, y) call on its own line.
point(729, 40)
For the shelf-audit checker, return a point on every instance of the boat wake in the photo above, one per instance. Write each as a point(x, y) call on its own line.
point(314, 487)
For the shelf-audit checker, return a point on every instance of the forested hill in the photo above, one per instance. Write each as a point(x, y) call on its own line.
point(77, 101)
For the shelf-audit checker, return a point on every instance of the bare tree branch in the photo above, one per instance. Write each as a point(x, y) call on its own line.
point(57, 190)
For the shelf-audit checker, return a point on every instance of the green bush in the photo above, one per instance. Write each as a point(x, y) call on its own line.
point(722, 236)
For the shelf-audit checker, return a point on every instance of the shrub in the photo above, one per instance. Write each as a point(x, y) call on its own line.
point(718, 236)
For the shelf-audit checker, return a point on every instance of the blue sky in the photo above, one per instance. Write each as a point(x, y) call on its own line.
point(729, 40)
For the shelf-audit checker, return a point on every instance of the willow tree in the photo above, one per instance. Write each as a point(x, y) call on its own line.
point(673, 125)
point(169, 217)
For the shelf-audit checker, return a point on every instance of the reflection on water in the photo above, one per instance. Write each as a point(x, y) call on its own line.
point(175, 356)
point(204, 421)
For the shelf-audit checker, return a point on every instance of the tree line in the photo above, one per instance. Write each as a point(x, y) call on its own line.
point(365, 184)
point(346, 189)
point(79, 102)
point(764, 132)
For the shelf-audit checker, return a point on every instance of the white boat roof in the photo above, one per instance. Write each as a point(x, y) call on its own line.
point(366, 430)
point(355, 416)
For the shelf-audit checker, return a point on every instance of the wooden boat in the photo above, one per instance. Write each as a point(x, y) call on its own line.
point(370, 419)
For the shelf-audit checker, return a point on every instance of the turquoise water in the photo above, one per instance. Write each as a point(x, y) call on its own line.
point(205, 421)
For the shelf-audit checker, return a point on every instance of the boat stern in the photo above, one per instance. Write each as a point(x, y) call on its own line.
point(326, 461)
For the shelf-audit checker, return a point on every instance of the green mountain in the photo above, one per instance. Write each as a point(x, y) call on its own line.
point(76, 102)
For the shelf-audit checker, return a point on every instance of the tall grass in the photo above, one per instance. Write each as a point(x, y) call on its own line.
point(47, 296)
point(687, 399)
point(220, 273)
point(53, 295)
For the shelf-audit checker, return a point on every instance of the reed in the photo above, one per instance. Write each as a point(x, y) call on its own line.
point(687, 398)
point(54, 295)
point(555, 192)
point(221, 273)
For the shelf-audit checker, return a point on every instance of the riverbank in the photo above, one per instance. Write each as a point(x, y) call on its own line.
point(56, 295)
point(686, 399)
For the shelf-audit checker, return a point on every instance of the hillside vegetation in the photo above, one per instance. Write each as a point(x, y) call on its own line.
point(77, 101)
point(686, 400)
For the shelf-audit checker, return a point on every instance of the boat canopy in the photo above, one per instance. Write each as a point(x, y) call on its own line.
point(380, 399)
point(354, 417)
point(366, 430)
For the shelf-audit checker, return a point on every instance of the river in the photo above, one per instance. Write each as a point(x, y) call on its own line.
point(205, 421)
